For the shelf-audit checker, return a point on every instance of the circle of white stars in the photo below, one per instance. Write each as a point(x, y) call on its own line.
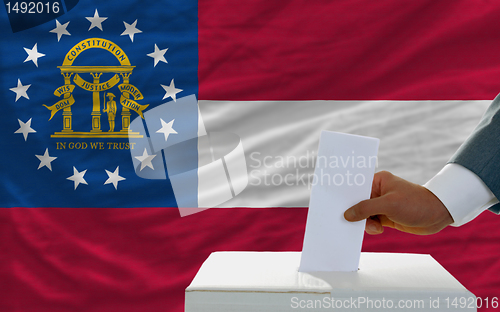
point(158, 55)
point(20, 90)
point(60, 30)
point(114, 177)
point(96, 21)
point(167, 128)
point(33, 54)
point(25, 128)
point(171, 91)
point(77, 177)
point(45, 160)
point(145, 160)
point(130, 30)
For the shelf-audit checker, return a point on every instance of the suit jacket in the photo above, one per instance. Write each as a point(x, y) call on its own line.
point(480, 153)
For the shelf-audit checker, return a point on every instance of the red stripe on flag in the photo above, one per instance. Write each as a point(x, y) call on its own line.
point(349, 50)
point(127, 260)
point(134, 260)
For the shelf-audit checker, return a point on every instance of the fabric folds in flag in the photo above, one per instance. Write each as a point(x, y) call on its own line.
point(417, 76)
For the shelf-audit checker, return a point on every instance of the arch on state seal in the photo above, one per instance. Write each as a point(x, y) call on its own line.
point(72, 78)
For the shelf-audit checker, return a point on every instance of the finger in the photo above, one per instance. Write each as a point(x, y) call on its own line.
point(373, 226)
point(379, 179)
point(376, 187)
point(366, 208)
point(384, 221)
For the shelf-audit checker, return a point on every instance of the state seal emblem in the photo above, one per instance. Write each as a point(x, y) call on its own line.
point(98, 91)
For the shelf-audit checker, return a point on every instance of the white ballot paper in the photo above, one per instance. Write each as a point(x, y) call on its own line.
point(343, 176)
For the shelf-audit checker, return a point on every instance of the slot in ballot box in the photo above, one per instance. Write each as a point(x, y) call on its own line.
point(270, 281)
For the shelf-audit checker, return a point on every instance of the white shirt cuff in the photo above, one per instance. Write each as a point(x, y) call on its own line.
point(462, 192)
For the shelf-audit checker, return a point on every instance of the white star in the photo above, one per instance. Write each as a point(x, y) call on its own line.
point(77, 177)
point(96, 20)
point(20, 90)
point(33, 55)
point(114, 177)
point(166, 128)
point(171, 91)
point(60, 30)
point(45, 160)
point(158, 55)
point(145, 160)
point(25, 128)
point(130, 30)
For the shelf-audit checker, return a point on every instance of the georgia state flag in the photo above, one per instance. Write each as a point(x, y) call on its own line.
point(89, 90)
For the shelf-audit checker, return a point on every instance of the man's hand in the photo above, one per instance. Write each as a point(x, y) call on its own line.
point(402, 205)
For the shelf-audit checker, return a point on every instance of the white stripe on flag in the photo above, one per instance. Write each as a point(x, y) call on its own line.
point(280, 139)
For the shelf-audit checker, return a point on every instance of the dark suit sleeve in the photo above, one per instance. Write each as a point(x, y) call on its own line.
point(480, 153)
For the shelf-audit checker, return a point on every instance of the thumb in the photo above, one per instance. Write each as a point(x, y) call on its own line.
point(366, 209)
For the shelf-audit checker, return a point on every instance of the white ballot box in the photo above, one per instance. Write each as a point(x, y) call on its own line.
point(270, 281)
